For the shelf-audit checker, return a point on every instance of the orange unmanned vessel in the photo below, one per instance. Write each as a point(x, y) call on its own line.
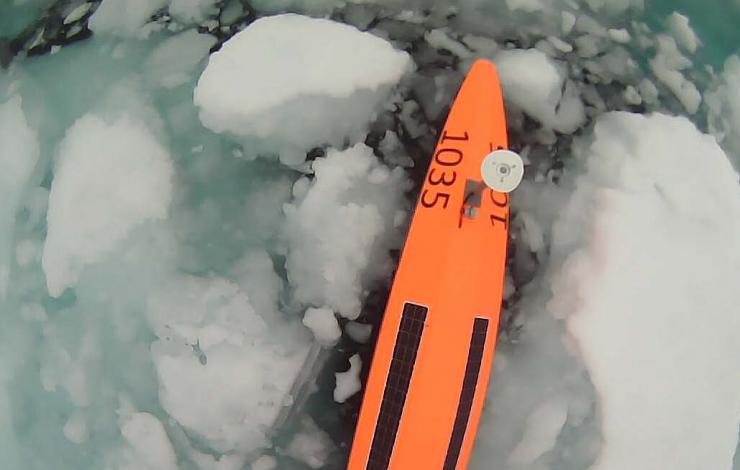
point(433, 358)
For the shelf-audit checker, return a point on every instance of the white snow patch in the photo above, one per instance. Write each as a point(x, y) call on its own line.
point(324, 326)
point(109, 179)
point(338, 235)
point(533, 83)
point(348, 383)
point(266, 79)
point(649, 242)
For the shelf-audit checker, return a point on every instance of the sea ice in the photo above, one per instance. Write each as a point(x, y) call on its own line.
point(316, 82)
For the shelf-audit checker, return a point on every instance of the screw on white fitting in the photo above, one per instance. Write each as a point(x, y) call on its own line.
point(502, 170)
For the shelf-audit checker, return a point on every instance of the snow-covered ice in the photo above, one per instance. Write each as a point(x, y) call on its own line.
point(334, 73)
point(339, 232)
point(656, 213)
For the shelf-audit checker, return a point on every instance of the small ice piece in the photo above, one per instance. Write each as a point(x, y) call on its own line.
point(265, 79)
point(148, 438)
point(534, 83)
point(631, 95)
point(124, 18)
point(560, 45)
point(78, 12)
point(439, 39)
point(648, 91)
point(568, 21)
point(666, 65)
point(622, 36)
point(75, 429)
point(110, 179)
point(173, 61)
point(324, 326)
point(541, 432)
point(340, 232)
point(348, 383)
point(653, 317)
point(358, 332)
point(310, 445)
point(678, 25)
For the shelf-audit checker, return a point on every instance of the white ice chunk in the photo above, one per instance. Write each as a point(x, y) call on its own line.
point(266, 79)
point(348, 383)
point(222, 373)
point(339, 233)
point(148, 438)
point(19, 152)
point(110, 178)
point(324, 326)
point(678, 25)
point(532, 82)
point(622, 36)
point(124, 18)
point(173, 61)
point(649, 242)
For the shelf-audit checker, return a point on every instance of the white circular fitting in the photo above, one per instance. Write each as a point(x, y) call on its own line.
point(502, 170)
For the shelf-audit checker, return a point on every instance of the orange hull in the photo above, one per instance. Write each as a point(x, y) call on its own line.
point(429, 374)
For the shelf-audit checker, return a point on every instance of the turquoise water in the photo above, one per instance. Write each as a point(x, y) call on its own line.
point(715, 22)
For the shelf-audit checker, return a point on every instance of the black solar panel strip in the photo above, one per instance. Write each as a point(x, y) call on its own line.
point(472, 370)
point(408, 339)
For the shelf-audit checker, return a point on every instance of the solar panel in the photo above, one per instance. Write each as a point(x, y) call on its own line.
point(470, 381)
point(408, 339)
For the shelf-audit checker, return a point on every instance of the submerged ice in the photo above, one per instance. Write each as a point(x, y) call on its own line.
point(174, 297)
